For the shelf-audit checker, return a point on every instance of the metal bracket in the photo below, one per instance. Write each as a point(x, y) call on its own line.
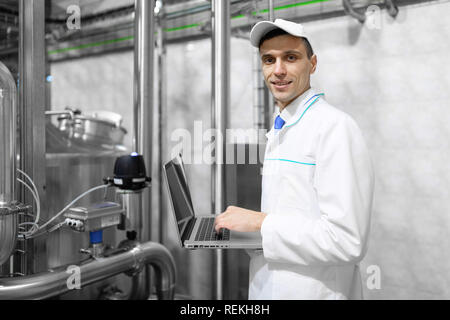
point(361, 17)
point(391, 8)
point(15, 208)
point(348, 9)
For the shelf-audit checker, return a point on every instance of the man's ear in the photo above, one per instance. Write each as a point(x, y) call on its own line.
point(313, 61)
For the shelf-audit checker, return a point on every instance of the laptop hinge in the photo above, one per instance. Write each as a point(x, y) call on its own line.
point(187, 232)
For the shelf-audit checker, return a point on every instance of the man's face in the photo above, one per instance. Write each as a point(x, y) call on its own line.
point(286, 67)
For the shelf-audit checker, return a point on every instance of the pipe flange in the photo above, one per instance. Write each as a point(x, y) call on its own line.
point(15, 208)
point(131, 245)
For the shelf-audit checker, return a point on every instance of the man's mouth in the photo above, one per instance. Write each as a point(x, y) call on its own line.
point(281, 84)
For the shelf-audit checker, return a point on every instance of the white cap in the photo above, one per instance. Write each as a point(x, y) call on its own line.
point(263, 27)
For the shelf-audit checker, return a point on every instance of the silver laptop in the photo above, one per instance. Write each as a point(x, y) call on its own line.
point(198, 231)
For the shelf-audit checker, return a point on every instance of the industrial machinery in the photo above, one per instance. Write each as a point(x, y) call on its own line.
point(65, 151)
point(67, 158)
point(96, 129)
point(8, 207)
point(93, 220)
point(104, 260)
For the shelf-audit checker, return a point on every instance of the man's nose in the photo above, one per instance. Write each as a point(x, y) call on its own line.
point(280, 68)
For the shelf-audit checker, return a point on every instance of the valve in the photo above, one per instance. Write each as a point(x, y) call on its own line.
point(129, 173)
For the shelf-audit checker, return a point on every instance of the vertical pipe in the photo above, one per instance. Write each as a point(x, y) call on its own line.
point(144, 30)
point(217, 256)
point(258, 92)
point(143, 78)
point(271, 11)
point(31, 255)
point(262, 99)
point(221, 92)
point(162, 102)
point(270, 105)
point(269, 108)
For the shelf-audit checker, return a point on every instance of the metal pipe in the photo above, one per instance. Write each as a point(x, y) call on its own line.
point(8, 108)
point(131, 202)
point(143, 96)
point(348, 9)
point(144, 30)
point(53, 283)
point(69, 112)
point(269, 108)
point(161, 117)
point(221, 97)
point(258, 92)
point(268, 104)
point(31, 255)
point(392, 8)
point(143, 76)
point(271, 11)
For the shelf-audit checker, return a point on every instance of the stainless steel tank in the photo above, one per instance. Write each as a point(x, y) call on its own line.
point(74, 165)
point(8, 221)
point(92, 130)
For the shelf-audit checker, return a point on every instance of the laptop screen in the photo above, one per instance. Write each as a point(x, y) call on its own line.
point(179, 192)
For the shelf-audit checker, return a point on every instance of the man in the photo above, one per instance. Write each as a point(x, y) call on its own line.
point(317, 183)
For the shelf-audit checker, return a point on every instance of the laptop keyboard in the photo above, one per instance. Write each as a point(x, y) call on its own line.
point(208, 233)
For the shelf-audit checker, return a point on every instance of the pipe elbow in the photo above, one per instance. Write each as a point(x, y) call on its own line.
point(162, 261)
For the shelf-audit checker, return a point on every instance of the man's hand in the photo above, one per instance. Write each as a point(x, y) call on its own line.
point(240, 219)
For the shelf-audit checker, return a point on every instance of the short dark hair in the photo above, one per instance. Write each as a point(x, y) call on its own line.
point(279, 32)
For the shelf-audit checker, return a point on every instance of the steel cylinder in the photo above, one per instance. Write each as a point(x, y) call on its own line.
point(7, 136)
point(131, 202)
point(8, 221)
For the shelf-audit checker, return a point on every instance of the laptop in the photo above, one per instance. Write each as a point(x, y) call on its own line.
point(198, 231)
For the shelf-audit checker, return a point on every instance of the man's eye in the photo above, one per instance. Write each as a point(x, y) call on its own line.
point(268, 60)
point(292, 58)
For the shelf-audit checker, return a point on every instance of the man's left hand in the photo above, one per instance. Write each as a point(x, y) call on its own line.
point(240, 219)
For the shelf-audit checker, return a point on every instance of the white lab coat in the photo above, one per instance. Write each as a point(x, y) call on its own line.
point(317, 190)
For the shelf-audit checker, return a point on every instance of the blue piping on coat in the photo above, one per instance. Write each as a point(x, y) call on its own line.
point(318, 96)
point(287, 160)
